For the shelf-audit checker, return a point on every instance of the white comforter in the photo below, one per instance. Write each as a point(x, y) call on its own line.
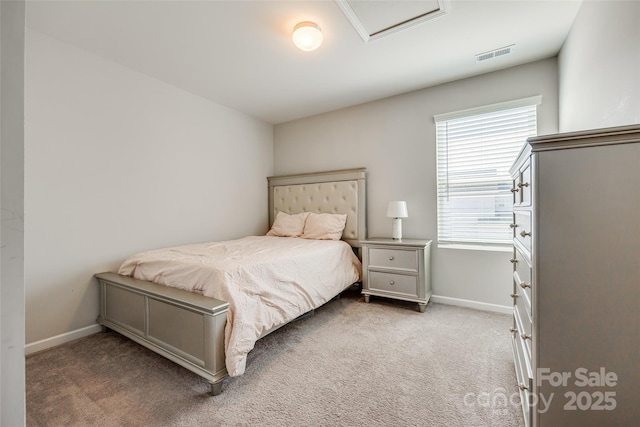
point(268, 281)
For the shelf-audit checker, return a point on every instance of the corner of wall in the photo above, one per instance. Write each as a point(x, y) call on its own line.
point(598, 67)
point(12, 329)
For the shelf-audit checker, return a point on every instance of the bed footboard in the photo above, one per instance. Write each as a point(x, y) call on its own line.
point(186, 328)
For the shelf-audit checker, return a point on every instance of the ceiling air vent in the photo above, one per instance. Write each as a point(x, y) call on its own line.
point(494, 53)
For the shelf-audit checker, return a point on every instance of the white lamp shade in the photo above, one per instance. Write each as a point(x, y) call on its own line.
point(397, 209)
point(307, 36)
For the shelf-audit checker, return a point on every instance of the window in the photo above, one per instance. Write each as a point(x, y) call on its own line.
point(475, 149)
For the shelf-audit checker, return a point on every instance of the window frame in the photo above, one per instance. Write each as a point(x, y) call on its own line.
point(451, 241)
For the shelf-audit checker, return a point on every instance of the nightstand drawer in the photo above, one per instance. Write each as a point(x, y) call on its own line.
point(395, 283)
point(393, 258)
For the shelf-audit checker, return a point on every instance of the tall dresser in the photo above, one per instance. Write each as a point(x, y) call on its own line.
point(576, 278)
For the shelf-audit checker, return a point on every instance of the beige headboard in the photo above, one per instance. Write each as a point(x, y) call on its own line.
point(342, 191)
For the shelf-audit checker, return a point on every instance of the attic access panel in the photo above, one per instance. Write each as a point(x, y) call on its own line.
point(376, 19)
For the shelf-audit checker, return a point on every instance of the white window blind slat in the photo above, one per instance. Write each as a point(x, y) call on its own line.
point(474, 154)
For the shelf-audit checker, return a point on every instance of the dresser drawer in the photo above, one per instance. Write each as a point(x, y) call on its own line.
point(394, 283)
point(522, 185)
point(522, 229)
point(523, 324)
point(521, 266)
point(523, 317)
point(523, 290)
point(524, 376)
point(393, 258)
point(525, 184)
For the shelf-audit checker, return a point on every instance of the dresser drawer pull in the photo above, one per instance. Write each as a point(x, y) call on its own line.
point(391, 282)
point(525, 285)
point(525, 336)
point(391, 258)
point(525, 234)
point(523, 387)
point(512, 330)
point(514, 295)
point(513, 225)
point(513, 260)
point(523, 184)
point(515, 190)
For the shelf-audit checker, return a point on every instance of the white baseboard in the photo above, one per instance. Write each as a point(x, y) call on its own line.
point(94, 329)
point(61, 339)
point(484, 306)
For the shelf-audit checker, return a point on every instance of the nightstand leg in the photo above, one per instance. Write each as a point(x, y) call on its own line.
point(366, 298)
point(422, 307)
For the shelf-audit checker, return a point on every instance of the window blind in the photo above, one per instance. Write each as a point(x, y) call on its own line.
point(474, 153)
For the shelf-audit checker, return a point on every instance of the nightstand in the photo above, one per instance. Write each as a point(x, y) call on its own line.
point(399, 269)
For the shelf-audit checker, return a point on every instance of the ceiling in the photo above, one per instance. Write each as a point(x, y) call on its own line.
point(239, 53)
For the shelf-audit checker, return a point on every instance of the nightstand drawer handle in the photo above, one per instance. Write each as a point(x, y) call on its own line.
point(525, 234)
point(525, 285)
point(391, 282)
point(391, 258)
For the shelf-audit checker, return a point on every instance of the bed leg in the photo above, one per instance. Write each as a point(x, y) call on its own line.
point(216, 387)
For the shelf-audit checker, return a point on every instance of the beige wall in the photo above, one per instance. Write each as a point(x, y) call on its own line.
point(394, 139)
point(118, 162)
point(599, 67)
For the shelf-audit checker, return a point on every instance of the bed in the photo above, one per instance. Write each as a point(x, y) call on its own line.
point(193, 322)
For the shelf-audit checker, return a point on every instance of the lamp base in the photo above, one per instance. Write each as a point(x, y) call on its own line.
point(397, 229)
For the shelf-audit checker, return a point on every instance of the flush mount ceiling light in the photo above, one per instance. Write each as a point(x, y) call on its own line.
point(307, 36)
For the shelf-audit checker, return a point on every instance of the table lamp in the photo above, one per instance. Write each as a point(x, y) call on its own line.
point(397, 210)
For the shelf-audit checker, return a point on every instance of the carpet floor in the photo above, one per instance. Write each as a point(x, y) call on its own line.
point(350, 364)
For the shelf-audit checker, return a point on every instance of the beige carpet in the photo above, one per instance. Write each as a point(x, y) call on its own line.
point(351, 364)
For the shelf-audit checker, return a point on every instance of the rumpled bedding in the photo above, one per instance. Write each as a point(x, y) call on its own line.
point(268, 281)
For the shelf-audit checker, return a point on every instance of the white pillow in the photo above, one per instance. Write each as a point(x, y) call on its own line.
point(324, 226)
point(286, 225)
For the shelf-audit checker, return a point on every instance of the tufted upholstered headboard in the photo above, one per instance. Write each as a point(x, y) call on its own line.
point(341, 191)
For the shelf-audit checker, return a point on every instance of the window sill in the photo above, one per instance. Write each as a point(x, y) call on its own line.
point(468, 247)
